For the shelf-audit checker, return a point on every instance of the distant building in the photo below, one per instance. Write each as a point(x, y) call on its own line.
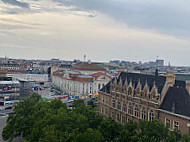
point(134, 96)
point(9, 89)
point(115, 62)
point(76, 84)
point(9, 66)
point(84, 80)
point(160, 63)
point(88, 68)
point(27, 76)
point(65, 66)
point(25, 88)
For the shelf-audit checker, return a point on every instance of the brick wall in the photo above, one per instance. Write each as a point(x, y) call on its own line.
point(181, 121)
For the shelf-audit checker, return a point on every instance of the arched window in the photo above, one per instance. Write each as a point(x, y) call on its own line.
point(151, 115)
point(136, 111)
point(143, 113)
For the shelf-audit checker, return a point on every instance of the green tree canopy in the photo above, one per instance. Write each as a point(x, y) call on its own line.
point(39, 121)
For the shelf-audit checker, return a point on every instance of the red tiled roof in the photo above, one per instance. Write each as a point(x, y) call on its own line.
point(88, 67)
point(96, 75)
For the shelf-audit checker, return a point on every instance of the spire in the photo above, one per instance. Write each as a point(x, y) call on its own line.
point(139, 82)
point(154, 84)
point(130, 82)
point(126, 83)
point(115, 81)
point(120, 81)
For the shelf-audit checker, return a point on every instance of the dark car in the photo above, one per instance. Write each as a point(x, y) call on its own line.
point(8, 107)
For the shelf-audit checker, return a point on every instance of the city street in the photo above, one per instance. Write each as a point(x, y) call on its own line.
point(2, 125)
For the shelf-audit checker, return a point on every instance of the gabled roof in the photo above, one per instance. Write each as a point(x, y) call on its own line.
point(177, 100)
point(135, 77)
point(88, 67)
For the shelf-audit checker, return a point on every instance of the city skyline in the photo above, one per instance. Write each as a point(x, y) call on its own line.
point(108, 30)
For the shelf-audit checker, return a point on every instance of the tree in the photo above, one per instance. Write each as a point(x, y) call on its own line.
point(152, 131)
point(129, 132)
point(110, 129)
point(89, 136)
point(91, 103)
point(78, 103)
point(39, 121)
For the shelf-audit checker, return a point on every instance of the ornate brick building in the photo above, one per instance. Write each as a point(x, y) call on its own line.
point(133, 96)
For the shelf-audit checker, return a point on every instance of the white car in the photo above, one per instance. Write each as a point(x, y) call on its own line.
point(70, 101)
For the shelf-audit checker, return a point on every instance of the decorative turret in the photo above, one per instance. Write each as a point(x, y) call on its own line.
point(188, 86)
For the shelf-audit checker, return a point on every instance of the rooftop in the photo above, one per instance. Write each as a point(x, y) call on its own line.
point(177, 100)
point(88, 67)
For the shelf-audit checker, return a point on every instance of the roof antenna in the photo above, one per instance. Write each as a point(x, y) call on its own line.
point(156, 71)
point(84, 57)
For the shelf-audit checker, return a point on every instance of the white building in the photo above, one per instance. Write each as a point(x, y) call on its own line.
point(29, 77)
point(83, 82)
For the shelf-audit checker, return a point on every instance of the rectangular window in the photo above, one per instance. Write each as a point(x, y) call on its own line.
point(99, 86)
point(136, 111)
point(168, 123)
point(130, 108)
point(112, 115)
point(118, 118)
point(102, 110)
point(106, 112)
point(176, 125)
point(143, 113)
point(118, 103)
point(123, 119)
point(106, 101)
point(113, 102)
point(124, 106)
point(103, 99)
point(151, 115)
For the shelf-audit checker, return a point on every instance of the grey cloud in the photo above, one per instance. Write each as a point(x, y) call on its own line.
point(16, 3)
point(169, 17)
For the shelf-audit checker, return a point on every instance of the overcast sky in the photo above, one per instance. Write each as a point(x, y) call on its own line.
point(134, 30)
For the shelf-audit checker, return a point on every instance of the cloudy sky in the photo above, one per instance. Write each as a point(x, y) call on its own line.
point(135, 30)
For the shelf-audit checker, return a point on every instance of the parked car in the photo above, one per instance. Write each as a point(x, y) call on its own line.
point(3, 114)
point(8, 107)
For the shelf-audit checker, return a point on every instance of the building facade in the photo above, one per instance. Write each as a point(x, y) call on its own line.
point(84, 79)
point(133, 96)
point(76, 84)
point(9, 89)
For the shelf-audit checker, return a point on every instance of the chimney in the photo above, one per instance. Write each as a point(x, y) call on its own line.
point(188, 86)
point(170, 78)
